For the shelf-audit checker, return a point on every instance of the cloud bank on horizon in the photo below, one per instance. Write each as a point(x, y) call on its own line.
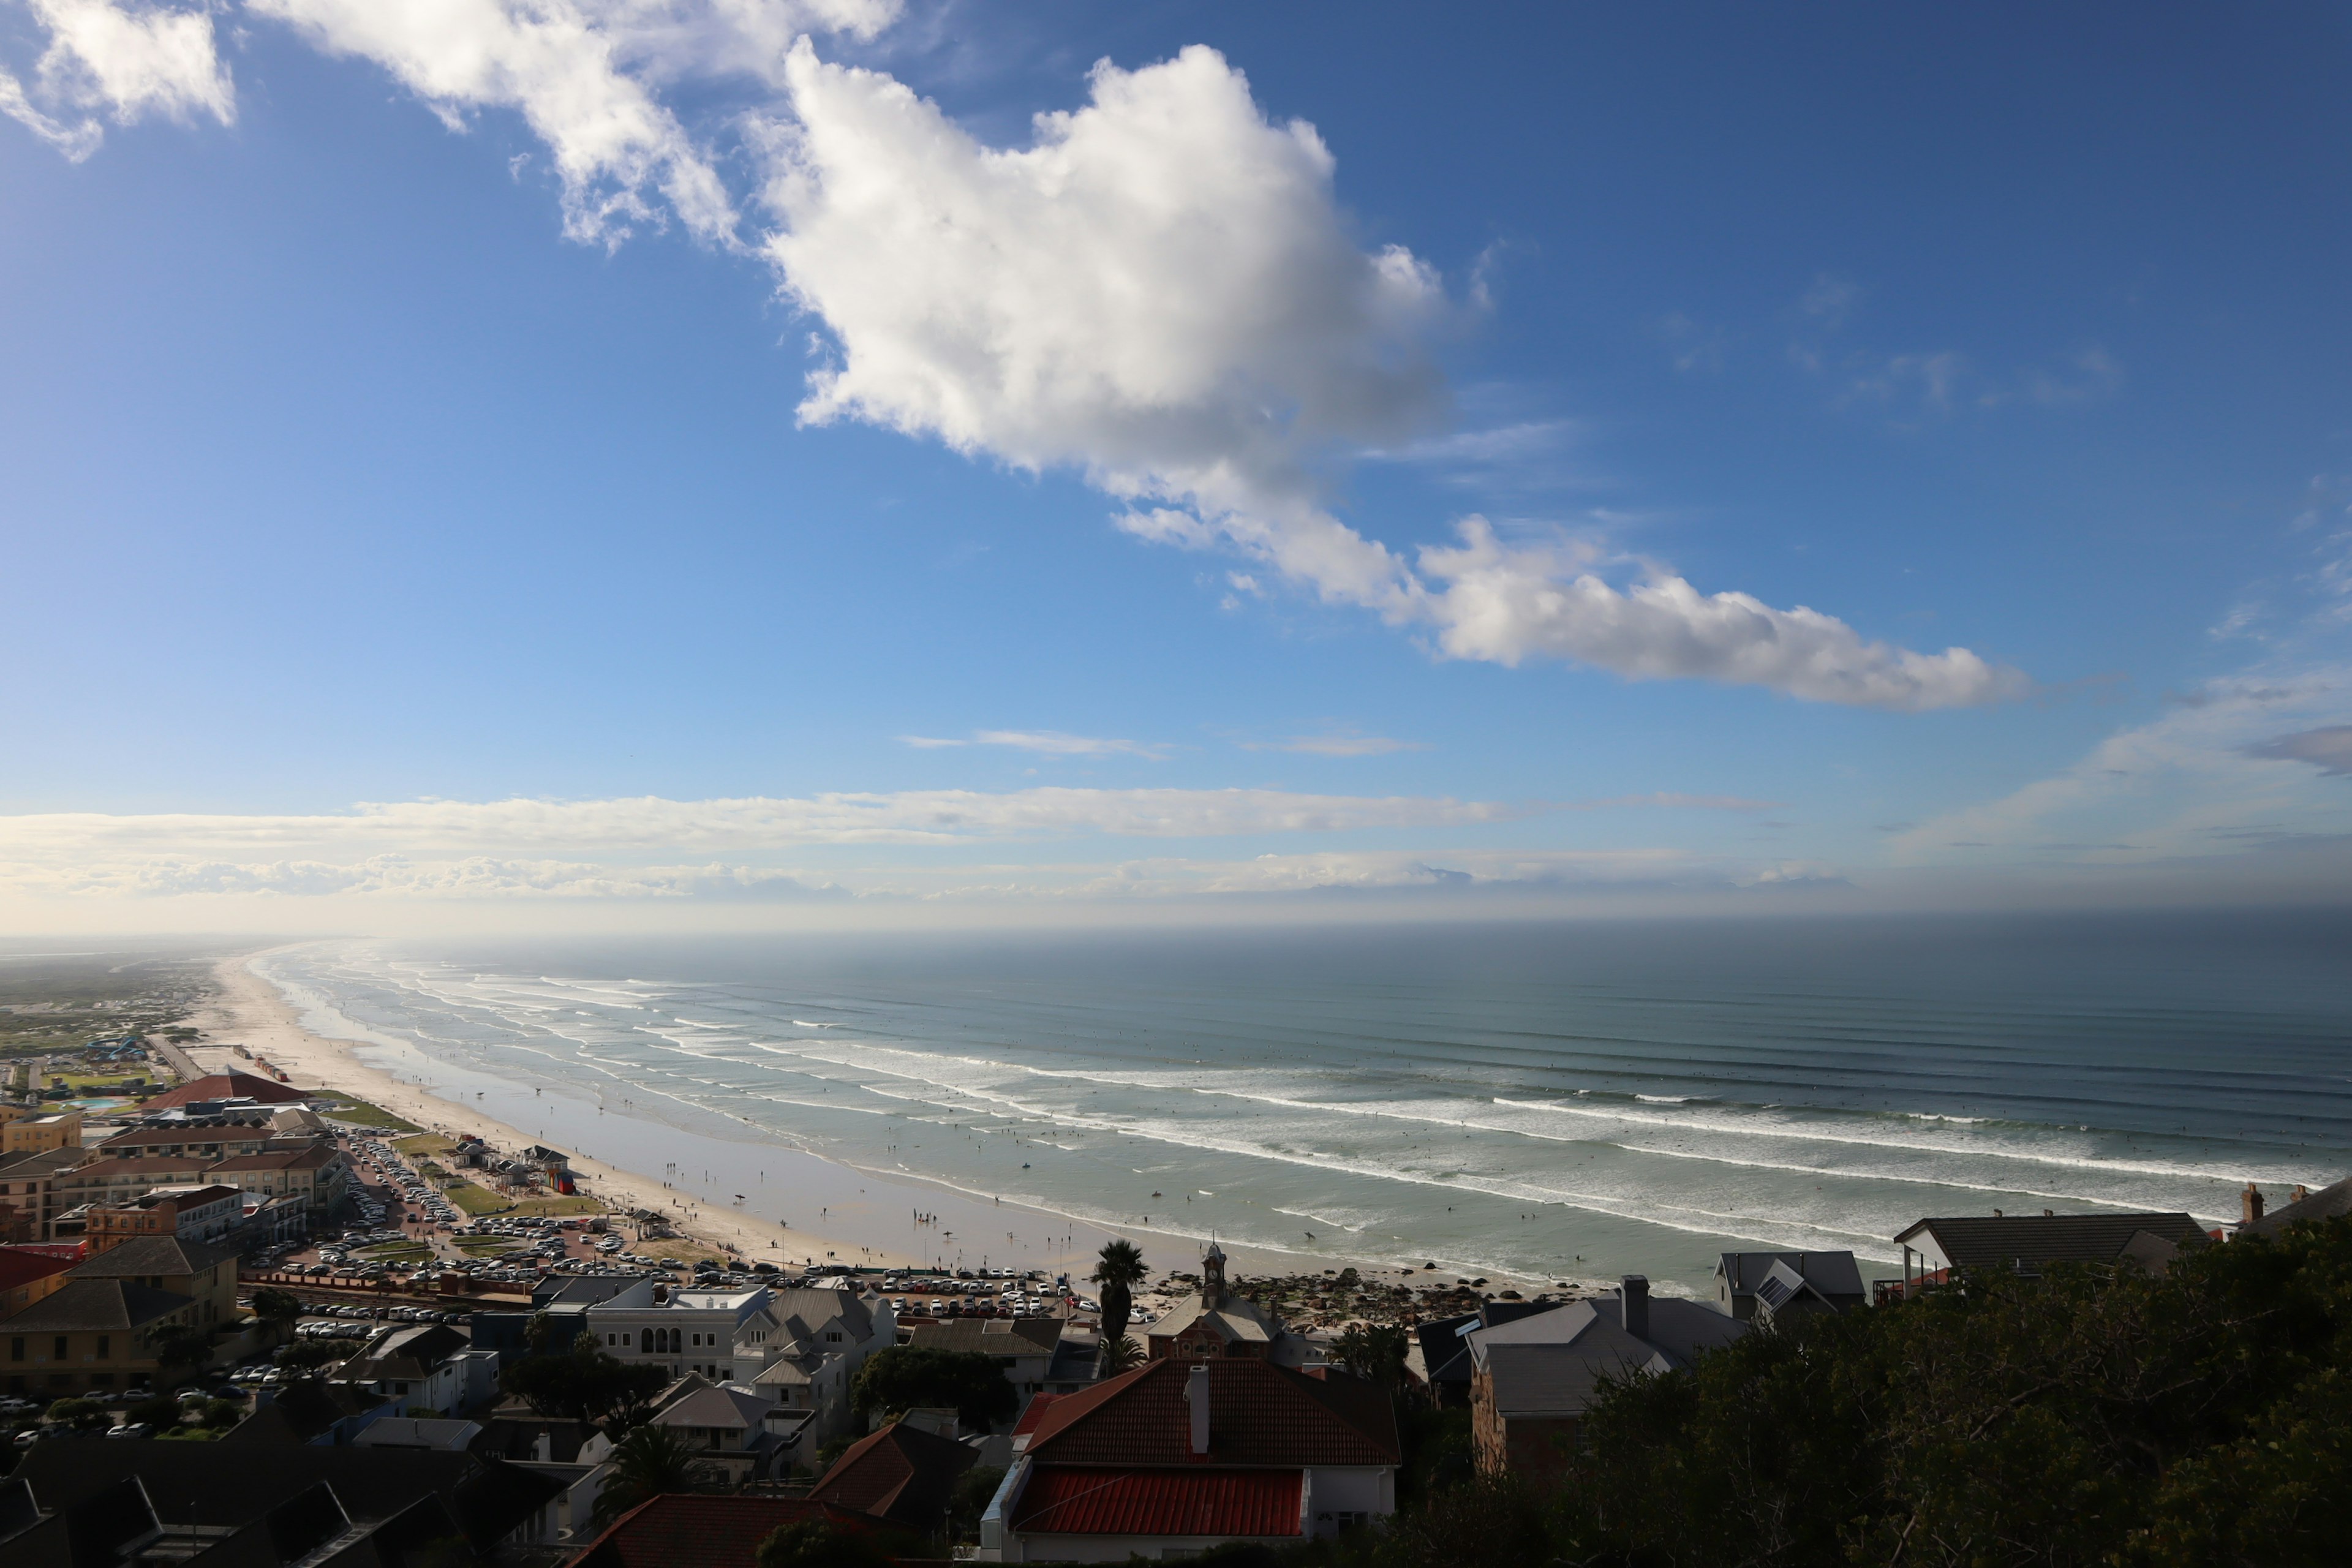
point(1161, 291)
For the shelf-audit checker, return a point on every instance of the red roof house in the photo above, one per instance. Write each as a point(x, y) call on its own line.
point(679, 1530)
point(227, 1086)
point(1177, 1457)
point(901, 1473)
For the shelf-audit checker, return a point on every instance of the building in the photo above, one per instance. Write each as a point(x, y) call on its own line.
point(901, 1475)
point(1830, 1277)
point(819, 1340)
point(1179, 1456)
point(197, 1140)
point(1026, 1348)
point(1216, 1322)
point(120, 1180)
point(89, 1336)
point(2027, 1244)
point(347, 1506)
point(725, 1425)
point(29, 1201)
point(680, 1530)
point(2302, 1207)
point(30, 1271)
point(39, 1134)
point(222, 1086)
point(317, 1173)
point(1440, 1354)
point(687, 1330)
point(422, 1368)
point(208, 1214)
point(1532, 1379)
point(206, 1275)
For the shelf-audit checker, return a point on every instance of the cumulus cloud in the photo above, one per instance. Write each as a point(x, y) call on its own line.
point(1162, 291)
point(559, 64)
point(125, 61)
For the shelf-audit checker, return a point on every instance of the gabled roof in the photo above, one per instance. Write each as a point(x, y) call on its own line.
point(901, 1473)
point(181, 1136)
point(1548, 1365)
point(802, 1311)
point(989, 1336)
point(1034, 1413)
point(41, 1163)
point(1234, 1318)
point(95, 1304)
point(1259, 1415)
point(22, 1265)
point(151, 1255)
point(1063, 1499)
point(1830, 1274)
point(139, 1165)
point(680, 1530)
point(2008, 1241)
point(706, 1403)
point(226, 1086)
point(2327, 1203)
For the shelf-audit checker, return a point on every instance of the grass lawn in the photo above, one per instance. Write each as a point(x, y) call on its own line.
point(473, 1199)
point(487, 1245)
point(83, 1083)
point(359, 1113)
point(424, 1144)
point(396, 1252)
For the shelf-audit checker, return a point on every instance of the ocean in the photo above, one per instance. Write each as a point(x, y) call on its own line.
point(1562, 1102)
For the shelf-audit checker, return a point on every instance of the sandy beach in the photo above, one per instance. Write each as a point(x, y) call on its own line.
point(862, 1216)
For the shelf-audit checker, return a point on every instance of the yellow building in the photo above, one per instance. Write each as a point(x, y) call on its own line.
point(38, 1134)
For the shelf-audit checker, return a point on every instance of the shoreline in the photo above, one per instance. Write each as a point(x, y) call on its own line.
point(250, 1010)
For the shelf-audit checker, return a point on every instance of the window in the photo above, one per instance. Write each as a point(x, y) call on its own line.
point(16, 1348)
point(833, 1336)
point(61, 1351)
point(106, 1347)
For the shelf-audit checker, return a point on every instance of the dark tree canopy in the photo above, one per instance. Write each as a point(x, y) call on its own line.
point(584, 1384)
point(908, 1377)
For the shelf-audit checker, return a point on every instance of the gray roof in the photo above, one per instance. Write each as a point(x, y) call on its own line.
point(1549, 1364)
point(146, 1255)
point(2007, 1241)
point(1234, 1318)
point(2327, 1203)
point(803, 1310)
point(1833, 1274)
point(96, 1304)
point(989, 1336)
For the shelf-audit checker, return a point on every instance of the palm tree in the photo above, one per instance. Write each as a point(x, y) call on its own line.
point(649, 1461)
point(1119, 1268)
point(1119, 1355)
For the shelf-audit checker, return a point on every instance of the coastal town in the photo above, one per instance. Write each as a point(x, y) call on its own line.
point(245, 1320)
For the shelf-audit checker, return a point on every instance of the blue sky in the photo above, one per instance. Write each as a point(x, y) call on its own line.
point(420, 409)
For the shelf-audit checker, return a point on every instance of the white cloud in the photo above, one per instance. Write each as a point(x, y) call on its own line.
point(532, 828)
point(1162, 292)
point(1045, 742)
point(127, 61)
point(2240, 763)
point(614, 147)
point(1344, 744)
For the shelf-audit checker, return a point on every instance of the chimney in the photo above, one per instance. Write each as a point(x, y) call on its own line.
point(2249, 1204)
point(2049, 1213)
point(1633, 1305)
point(1196, 1394)
point(2299, 1194)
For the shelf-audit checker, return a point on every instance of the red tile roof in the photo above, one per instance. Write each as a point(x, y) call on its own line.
point(1077, 1501)
point(1259, 1415)
point(226, 1086)
point(901, 1473)
point(678, 1530)
point(23, 1265)
point(1033, 1413)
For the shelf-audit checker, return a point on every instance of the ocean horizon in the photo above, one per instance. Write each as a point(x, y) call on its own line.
point(1563, 1102)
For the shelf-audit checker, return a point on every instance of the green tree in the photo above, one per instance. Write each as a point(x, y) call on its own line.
point(182, 1348)
point(1119, 1355)
point(278, 1310)
point(820, 1543)
point(1375, 1353)
point(973, 1491)
point(308, 1355)
point(646, 1463)
point(1119, 1269)
point(585, 1384)
point(908, 1377)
